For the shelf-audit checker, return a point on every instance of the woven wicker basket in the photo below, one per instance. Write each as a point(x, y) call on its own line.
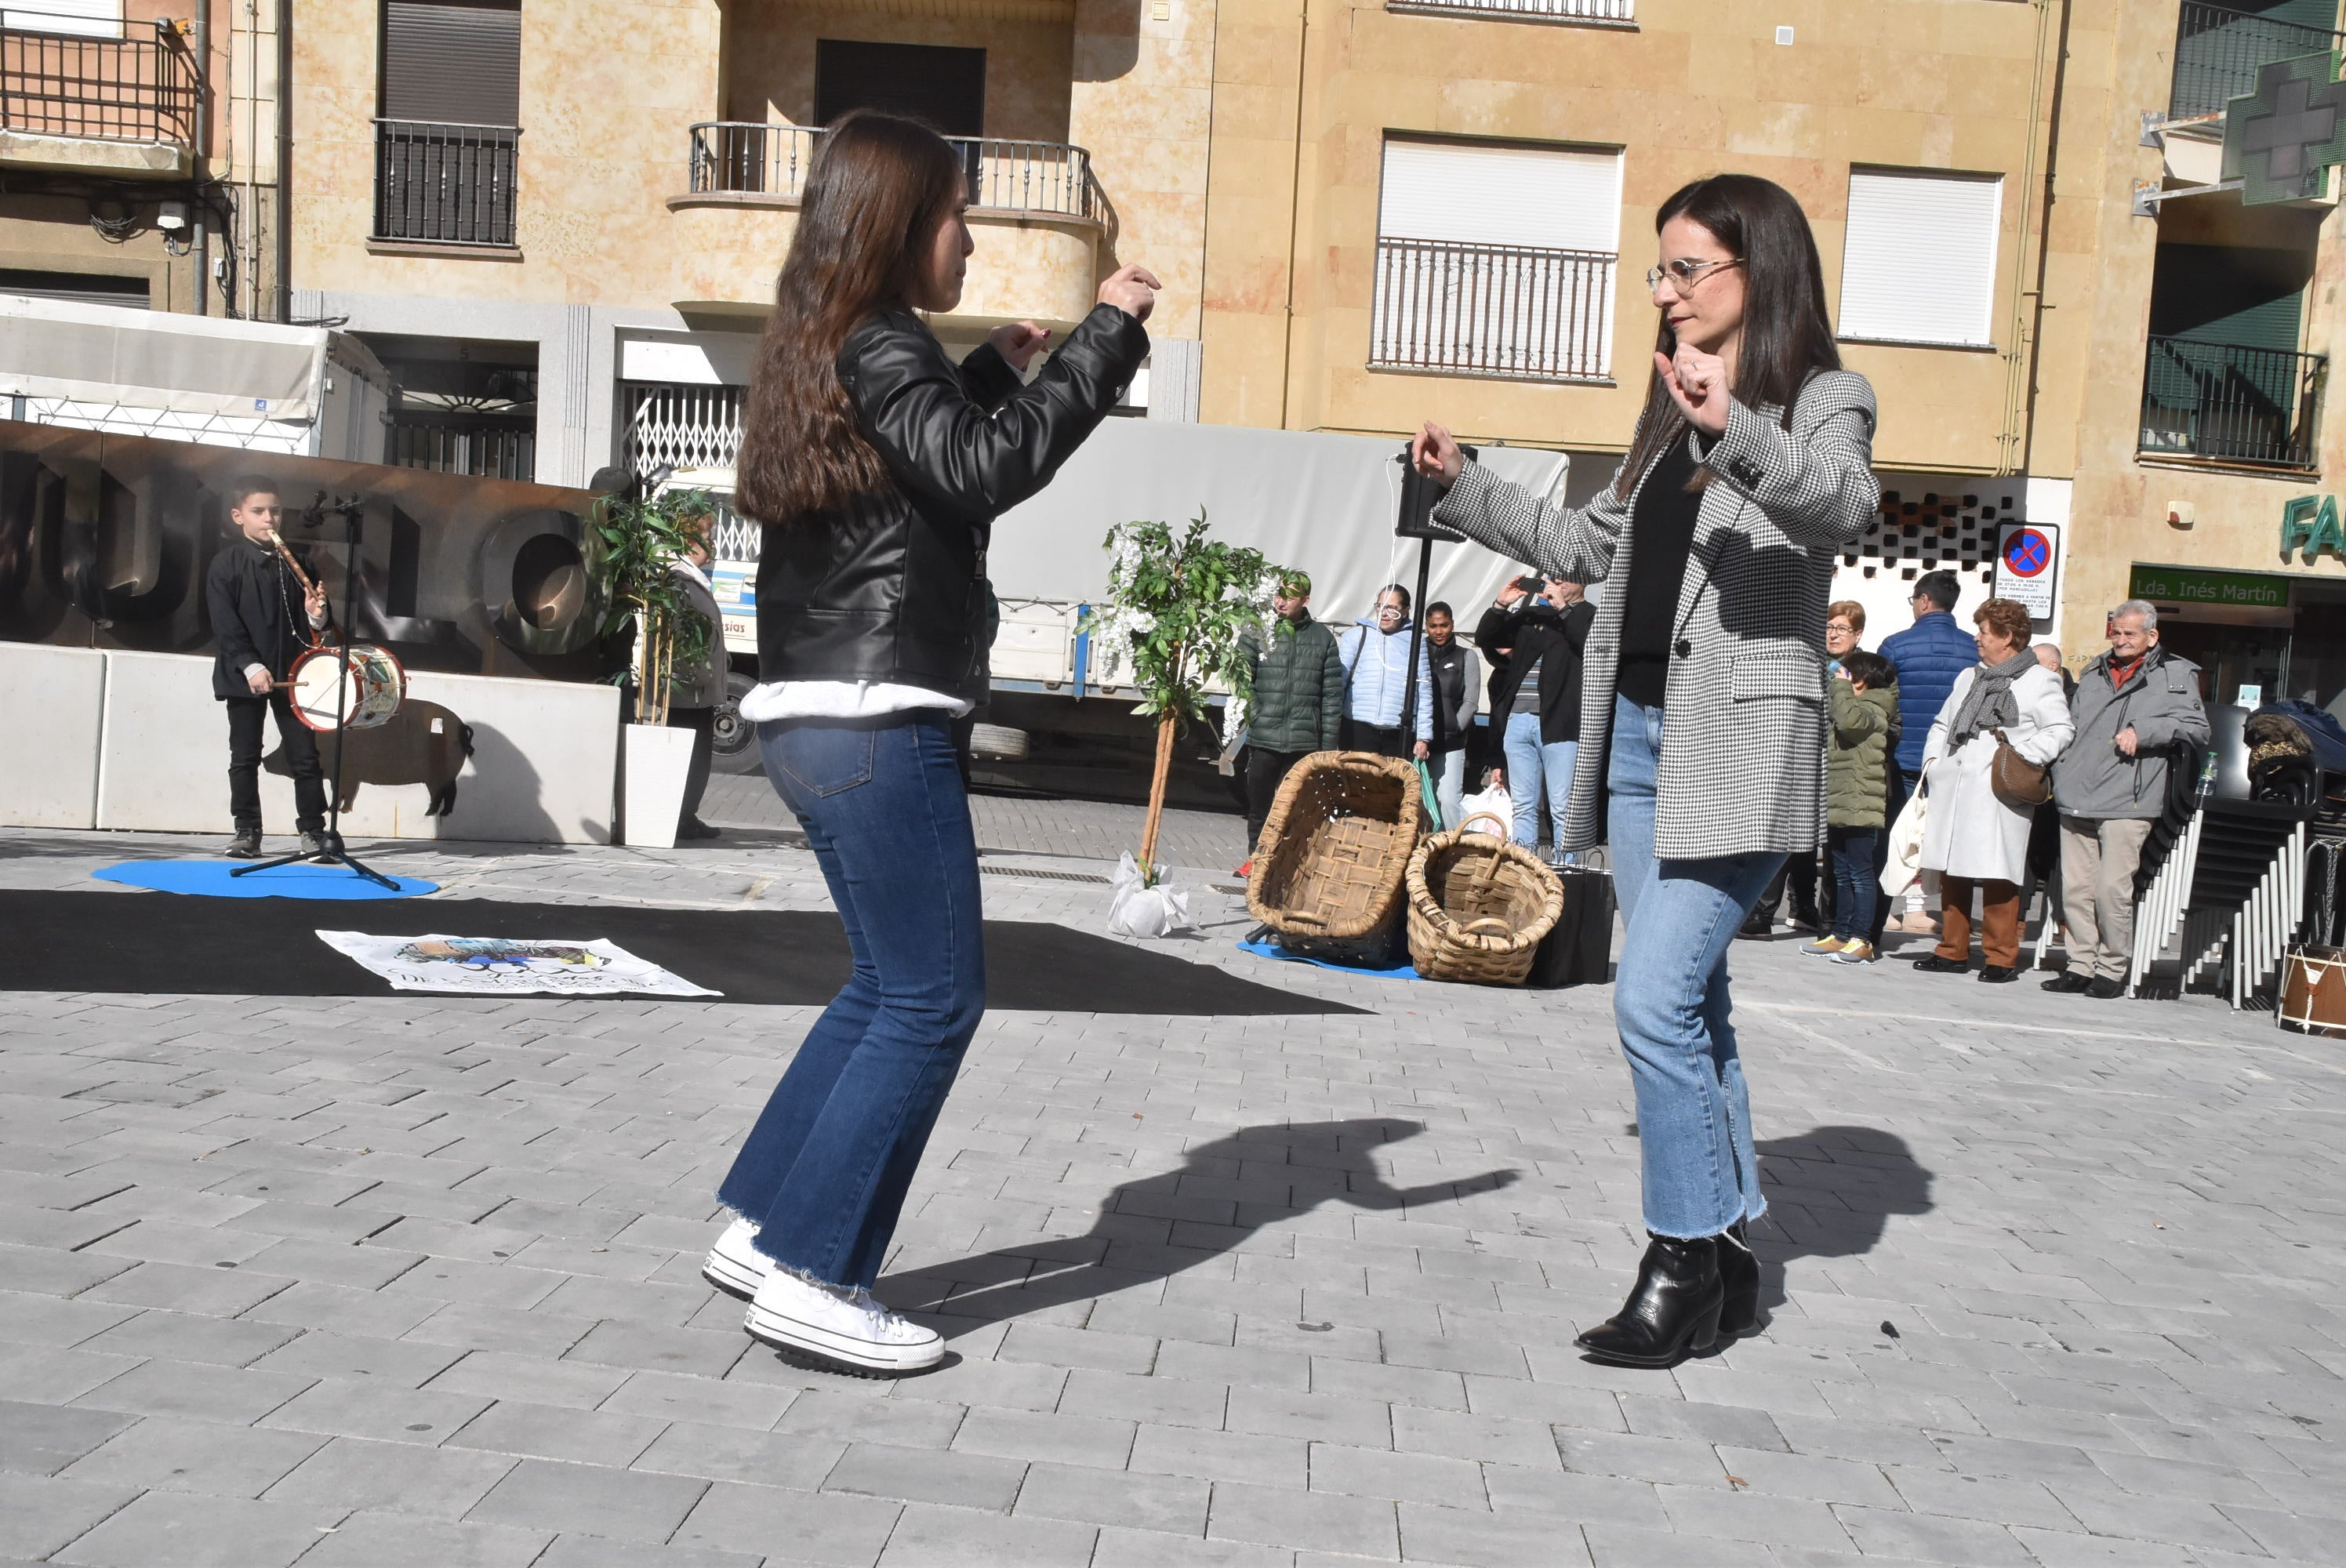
point(1478, 906)
point(1328, 872)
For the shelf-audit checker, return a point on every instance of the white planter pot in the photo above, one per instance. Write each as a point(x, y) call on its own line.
point(657, 759)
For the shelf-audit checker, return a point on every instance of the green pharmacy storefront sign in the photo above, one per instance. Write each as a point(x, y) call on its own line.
point(2185, 585)
point(2308, 525)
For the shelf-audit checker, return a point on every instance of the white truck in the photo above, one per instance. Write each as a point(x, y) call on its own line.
point(1324, 503)
point(306, 392)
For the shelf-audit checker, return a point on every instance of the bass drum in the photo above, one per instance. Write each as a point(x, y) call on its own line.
point(372, 693)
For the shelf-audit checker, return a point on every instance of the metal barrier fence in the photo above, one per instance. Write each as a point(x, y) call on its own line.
point(747, 157)
point(2219, 50)
point(499, 450)
point(452, 184)
point(57, 79)
point(2229, 402)
point(1492, 310)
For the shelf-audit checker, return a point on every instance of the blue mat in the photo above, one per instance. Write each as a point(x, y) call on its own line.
point(302, 879)
point(1265, 949)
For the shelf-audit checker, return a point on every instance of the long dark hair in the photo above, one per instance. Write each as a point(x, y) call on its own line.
point(1787, 332)
point(879, 187)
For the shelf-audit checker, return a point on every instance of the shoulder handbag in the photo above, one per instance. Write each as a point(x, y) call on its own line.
point(2019, 783)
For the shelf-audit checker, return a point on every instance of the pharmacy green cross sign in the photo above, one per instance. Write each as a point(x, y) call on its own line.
point(2280, 140)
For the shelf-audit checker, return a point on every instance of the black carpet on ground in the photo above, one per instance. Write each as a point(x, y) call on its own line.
point(168, 943)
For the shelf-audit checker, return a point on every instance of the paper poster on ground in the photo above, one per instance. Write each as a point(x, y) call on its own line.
point(508, 966)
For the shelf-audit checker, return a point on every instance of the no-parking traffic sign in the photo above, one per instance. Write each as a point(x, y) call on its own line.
point(2028, 564)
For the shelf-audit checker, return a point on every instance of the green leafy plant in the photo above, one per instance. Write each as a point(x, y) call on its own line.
point(1178, 605)
point(641, 540)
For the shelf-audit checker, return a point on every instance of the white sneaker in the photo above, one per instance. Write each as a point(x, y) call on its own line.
point(851, 1333)
point(733, 1266)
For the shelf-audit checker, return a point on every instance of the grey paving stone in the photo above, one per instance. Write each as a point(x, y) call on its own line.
point(190, 1530)
point(851, 1417)
point(791, 1526)
point(187, 1336)
point(47, 1377)
point(355, 1474)
point(593, 1499)
point(195, 1456)
point(1586, 1499)
point(220, 1292)
point(26, 1318)
point(734, 1453)
point(1479, 1538)
point(40, 1513)
point(1223, 1456)
point(594, 1551)
point(1173, 1505)
point(1322, 1522)
point(668, 1396)
point(1032, 1435)
point(1624, 1546)
point(551, 1432)
point(948, 1538)
point(193, 1388)
point(1148, 1549)
point(1407, 1476)
point(1881, 1533)
point(1655, 1458)
point(398, 1540)
point(1164, 1401)
point(386, 1412)
point(41, 1440)
point(928, 1475)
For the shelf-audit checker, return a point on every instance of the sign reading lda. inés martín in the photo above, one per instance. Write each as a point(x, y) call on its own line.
point(2308, 525)
point(2280, 140)
point(2188, 586)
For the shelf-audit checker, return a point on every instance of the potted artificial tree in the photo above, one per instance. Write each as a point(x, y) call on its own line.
point(1177, 604)
point(641, 541)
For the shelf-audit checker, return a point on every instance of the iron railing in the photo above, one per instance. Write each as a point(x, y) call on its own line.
point(1046, 176)
point(2233, 404)
point(1598, 13)
point(1492, 310)
point(451, 184)
point(2217, 53)
point(496, 447)
point(57, 77)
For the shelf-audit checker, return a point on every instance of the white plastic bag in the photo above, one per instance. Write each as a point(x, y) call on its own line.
point(1903, 860)
point(1490, 811)
point(1134, 909)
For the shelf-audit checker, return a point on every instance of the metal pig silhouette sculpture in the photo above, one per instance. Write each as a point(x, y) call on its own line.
point(423, 743)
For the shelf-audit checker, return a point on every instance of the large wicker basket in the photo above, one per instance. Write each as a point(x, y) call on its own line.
point(1328, 872)
point(1478, 907)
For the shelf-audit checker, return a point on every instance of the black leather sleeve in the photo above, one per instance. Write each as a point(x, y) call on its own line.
point(946, 451)
point(987, 377)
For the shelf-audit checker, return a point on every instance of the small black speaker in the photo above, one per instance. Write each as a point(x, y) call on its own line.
point(1418, 495)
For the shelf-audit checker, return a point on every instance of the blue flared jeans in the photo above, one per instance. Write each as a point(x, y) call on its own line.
point(824, 1170)
point(1535, 769)
point(1670, 1000)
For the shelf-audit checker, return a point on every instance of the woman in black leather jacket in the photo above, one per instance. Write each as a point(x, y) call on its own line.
point(878, 466)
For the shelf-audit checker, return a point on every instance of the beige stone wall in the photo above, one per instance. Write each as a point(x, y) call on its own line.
point(769, 48)
point(2090, 385)
point(604, 145)
point(52, 234)
point(1698, 87)
point(1143, 101)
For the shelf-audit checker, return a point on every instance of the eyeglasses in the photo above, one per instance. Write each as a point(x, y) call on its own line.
point(1686, 271)
point(1839, 627)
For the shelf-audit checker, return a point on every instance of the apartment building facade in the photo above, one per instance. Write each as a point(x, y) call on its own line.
point(558, 224)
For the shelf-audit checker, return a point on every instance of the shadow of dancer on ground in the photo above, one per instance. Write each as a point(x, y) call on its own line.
point(1154, 1227)
point(1832, 1192)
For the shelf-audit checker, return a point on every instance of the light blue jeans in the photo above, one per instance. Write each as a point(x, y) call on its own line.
point(1671, 1002)
point(1532, 767)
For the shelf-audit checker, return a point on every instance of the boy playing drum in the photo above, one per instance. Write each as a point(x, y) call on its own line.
point(258, 612)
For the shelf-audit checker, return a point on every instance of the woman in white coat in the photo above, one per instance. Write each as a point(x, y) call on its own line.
point(1969, 837)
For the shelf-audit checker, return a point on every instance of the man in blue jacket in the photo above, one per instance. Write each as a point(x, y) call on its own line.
point(1929, 655)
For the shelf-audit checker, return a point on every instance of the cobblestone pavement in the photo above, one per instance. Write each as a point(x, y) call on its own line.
point(415, 1281)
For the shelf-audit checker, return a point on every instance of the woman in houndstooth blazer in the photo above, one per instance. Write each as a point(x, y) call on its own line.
point(1750, 470)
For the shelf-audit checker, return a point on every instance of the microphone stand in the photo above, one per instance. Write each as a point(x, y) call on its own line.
point(353, 512)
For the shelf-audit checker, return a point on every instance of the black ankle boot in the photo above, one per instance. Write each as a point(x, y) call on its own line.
point(1739, 1277)
point(1673, 1309)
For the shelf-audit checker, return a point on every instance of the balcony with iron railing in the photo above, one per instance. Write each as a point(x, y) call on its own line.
point(443, 184)
point(1572, 13)
point(97, 96)
point(1508, 311)
point(2233, 405)
point(1037, 215)
point(2218, 52)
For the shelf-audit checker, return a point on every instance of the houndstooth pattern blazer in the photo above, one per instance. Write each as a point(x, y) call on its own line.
point(1743, 747)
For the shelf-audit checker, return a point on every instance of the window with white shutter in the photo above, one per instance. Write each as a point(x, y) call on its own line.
point(1919, 263)
point(1496, 259)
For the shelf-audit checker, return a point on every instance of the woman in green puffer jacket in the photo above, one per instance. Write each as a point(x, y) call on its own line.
point(1865, 729)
